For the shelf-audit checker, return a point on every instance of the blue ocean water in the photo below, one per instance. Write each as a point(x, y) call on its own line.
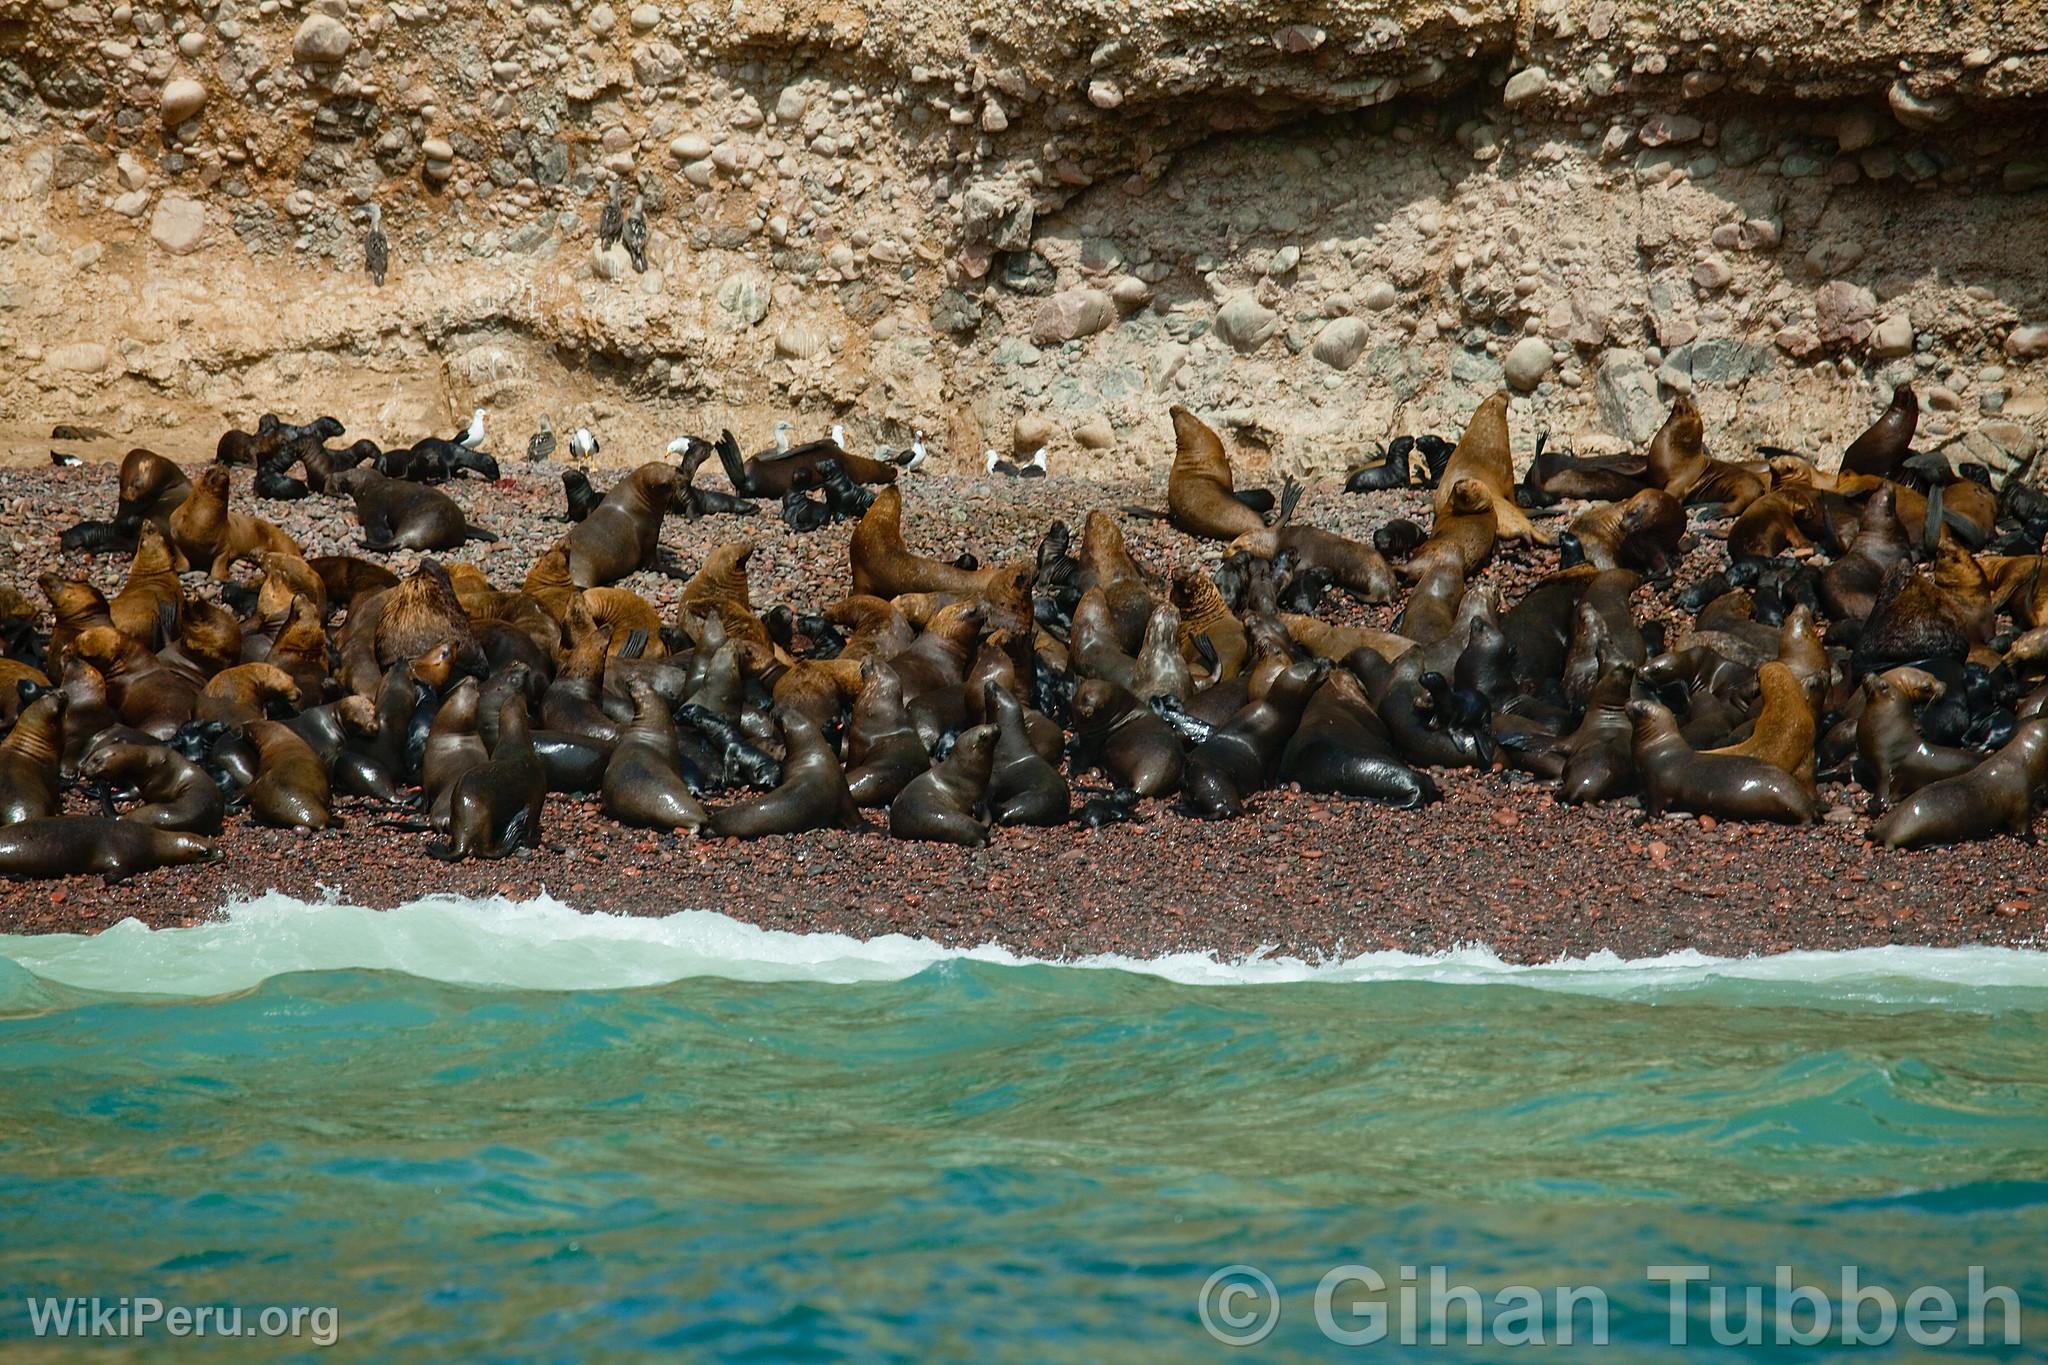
point(484, 1130)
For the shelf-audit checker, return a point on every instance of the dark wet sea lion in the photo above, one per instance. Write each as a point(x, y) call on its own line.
point(1600, 754)
point(1995, 797)
point(30, 757)
point(1201, 494)
point(622, 534)
point(883, 750)
point(71, 845)
point(397, 515)
point(1913, 620)
point(1126, 739)
point(1023, 788)
point(940, 805)
point(1884, 446)
point(212, 537)
point(1242, 756)
point(642, 783)
point(1341, 747)
point(812, 794)
point(1675, 777)
point(495, 807)
point(772, 473)
point(452, 748)
point(1894, 759)
point(176, 793)
point(291, 787)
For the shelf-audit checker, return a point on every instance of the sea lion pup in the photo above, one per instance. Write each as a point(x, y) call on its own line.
point(244, 447)
point(1785, 726)
point(397, 515)
point(812, 795)
point(211, 536)
point(291, 788)
point(1341, 748)
point(882, 745)
point(1023, 788)
point(1786, 518)
point(773, 472)
point(1889, 440)
point(1352, 566)
point(71, 845)
point(883, 565)
point(642, 784)
point(29, 760)
point(1893, 759)
point(1205, 619)
point(581, 497)
point(1201, 495)
point(1243, 755)
point(1995, 797)
point(149, 603)
point(1482, 457)
point(1673, 777)
point(623, 534)
point(495, 807)
point(175, 792)
point(1679, 464)
point(940, 804)
point(420, 613)
point(150, 489)
point(1122, 736)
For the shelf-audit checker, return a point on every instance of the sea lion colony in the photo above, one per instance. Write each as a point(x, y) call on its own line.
point(1883, 623)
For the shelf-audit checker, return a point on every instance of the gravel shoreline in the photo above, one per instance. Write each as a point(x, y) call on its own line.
point(1497, 861)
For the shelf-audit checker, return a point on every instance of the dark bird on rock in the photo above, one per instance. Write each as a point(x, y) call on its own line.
point(635, 234)
point(541, 444)
point(376, 251)
point(611, 224)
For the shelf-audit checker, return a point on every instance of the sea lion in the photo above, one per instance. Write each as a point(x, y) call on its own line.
point(1341, 747)
point(1679, 464)
point(69, 845)
point(291, 787)
point(210, 535)
point(149, 604)
point(883, 750)
point(812, 794)
point(1092, 646)
point(1352, 566)
point(1483, 457)
point(495, 807)
point(1894, 759)
point(420, 613)
point(940, 805)
point(1640, 533)
point(1204, 617)
point(1995, 797)
point(150, 489)
point(1201, 495)
point(774, 472)
point(1023, 788)
point(30, 758)
point(1912, 620)
point(452, 748)
point(1243, 755)
point(642, 784)
point(1675, 777)
point(397, 515)
point(1162, 670)
point(623, 533)
point(1882, 448)
point(883, 565)
point(176, 793)
point(1785, 725)
point(1105, 562)
point(1124, 737)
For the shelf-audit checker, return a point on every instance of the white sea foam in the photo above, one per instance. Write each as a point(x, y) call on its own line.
point(543, 944)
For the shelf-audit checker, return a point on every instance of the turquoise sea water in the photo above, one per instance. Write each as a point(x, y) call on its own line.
point(491, 1131)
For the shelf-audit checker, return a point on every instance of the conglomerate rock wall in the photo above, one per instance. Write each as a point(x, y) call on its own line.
point(1317, 224)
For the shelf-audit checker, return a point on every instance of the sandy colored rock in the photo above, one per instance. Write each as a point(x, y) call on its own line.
point(178, 224)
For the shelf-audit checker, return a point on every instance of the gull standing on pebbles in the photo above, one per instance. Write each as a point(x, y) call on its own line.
point(541, 444)
point(582, 444)
point(376, 251)
point(839, 435)
point(782, 430)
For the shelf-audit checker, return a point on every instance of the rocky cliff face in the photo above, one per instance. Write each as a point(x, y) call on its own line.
point(1318, 224)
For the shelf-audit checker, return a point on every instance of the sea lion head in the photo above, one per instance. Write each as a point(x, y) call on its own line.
point(1469, 497)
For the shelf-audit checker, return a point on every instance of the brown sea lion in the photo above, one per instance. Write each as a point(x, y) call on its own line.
point(1849, 586)
point(1673, 776)
point(348, 579)
point(286, 577)
point(621, 536)
point(883, 565)
point(246, 692)
point(1995, 797)
point(1785, 725)
point(148, 694)
point(495, 807)
point(176, 793)
point(1105, 562)
point(1162, 670)
point(1484, 457)
point(1121, 735)
point(291, 787)
point(211, 536)
point(246, 447)
point(942, 804)
point(1023, 788)
point(1205, 616)
point(1679, 464)
point(813, 793)
point(397, 514)
point(1242, 756)
point(1894, 759)
point(453, 747)
point(1092, 646)
point(150, 602)
point(71, 845)
point(1467, 527)
point(1912, 620)
point(642, 785)
point(1882, 448)
point(420, 613)
point(1354, 567)
point(29, 760)
point(1783, 519)
point(150, 489)
point(883, 751)
point(1201, 494)
point(78, 607)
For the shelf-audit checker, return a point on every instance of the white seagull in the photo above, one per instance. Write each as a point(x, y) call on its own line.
point(918, 453)
point(583, 443)
point(474, 437)
point(839, 435)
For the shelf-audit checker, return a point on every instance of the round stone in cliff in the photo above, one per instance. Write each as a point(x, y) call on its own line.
point(1095, 434)
point(322, 40)
point(182, 98)
point(690, 147)
point(178, 224)
point(799, 341)
point(1525, 365)
point(1031, 431)
point(1244, 324)
point(1340, 343)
